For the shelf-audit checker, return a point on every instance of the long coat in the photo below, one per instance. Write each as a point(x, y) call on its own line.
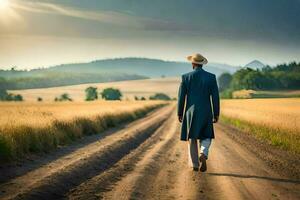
point(198, 103)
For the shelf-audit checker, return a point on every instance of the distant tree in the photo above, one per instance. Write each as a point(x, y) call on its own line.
point(39, 99)
point(143, 98)
point(224, 81)
point(3, 94)
point(18, 97)
point(136, 98)
point(267, 68)
point(226, 94)
point(91, 94)
point(238, 79)
point(111, 94)
point(63, 97)
point(11, 97)
point(160, 96)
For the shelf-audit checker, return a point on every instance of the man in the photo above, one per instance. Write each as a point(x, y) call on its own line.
point(198, 109)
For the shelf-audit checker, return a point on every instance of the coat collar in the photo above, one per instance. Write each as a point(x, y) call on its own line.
point(198, 69)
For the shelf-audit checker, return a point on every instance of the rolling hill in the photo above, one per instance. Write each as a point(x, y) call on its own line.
point(98, 71)
point(142, 66)
point(255, 64)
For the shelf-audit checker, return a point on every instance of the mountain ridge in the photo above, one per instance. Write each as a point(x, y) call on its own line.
point(141, 66)
point(255, 64)
point(105, 70)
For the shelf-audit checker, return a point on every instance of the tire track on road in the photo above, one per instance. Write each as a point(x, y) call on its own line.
point(54, 180)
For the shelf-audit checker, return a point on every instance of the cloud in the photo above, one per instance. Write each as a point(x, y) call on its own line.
point(109, 17)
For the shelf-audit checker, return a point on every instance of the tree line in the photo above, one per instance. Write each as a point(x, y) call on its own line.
point(91, 94)
point(280, 77)
point(54, 79)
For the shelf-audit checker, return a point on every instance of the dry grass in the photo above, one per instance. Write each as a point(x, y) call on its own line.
point(276, 113)
point(274, 120)
point(129, 89)
point(40, 127)
point(249, 94)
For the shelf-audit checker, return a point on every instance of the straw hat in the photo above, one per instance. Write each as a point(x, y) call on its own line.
point(198, 59)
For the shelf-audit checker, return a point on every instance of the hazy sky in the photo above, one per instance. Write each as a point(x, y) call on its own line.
point(47, 32)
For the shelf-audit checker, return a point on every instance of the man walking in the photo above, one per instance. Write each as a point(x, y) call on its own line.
point(198, 109)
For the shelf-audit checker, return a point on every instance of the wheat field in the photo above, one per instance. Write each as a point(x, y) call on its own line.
point(274, 120)
point(40, 114)
point(129, 89)
point(39, 127)
point(276, 113)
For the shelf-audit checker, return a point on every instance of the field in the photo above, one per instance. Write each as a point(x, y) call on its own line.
point(249, 94)
point(139, 88)
point(274, 120)
point(129, 89)
point(137, 160)
point(34, 127)
point(145, 159)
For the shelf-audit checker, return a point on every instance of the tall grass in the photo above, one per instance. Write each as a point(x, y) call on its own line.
point(275, 121)
point(21, 137)
point(277, 137)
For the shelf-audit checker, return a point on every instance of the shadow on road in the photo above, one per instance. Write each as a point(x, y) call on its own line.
point(255, 177)
point(23, 166)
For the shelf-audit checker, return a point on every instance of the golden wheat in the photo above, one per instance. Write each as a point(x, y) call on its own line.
point(39, 114)
point(36, 127)
point(129, 89)
point(275, 121)
point(275, 113)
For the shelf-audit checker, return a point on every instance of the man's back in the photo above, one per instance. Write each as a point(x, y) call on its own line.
point(200, 97)
point(199, 85)
point(198, 108)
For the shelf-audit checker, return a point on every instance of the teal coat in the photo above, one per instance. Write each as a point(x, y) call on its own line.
point(198, 103)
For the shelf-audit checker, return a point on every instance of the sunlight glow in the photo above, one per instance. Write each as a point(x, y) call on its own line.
point(8, 14)
point(4, 4)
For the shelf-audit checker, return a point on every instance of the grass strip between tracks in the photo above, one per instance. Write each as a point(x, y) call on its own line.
point(18, 142)
point(283, 139)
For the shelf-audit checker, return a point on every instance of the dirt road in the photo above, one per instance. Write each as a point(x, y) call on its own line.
point(146, 160)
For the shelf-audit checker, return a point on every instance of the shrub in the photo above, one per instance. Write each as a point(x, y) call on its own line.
point(160, 96)
point(226, 94)
point(91, 94)
point(111, 94)
point(224, 81)
point(12, 97)
point(63, 97)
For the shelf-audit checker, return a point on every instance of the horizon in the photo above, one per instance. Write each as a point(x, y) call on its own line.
point(17, 68)
point(51, 32)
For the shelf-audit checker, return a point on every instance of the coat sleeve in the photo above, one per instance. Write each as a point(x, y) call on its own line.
point(215, 97)
point(181, 98)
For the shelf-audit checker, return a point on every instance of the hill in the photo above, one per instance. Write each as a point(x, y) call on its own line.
point(255, 64)
point(97, 71)
point(142, 66)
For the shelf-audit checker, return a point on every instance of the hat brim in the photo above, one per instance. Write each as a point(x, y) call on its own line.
point(203, 62)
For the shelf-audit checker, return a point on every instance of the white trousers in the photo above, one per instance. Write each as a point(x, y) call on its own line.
point(193, 150)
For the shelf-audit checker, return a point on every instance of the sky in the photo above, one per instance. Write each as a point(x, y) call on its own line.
point(49, 32)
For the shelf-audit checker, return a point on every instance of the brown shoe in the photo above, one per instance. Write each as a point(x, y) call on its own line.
point(202, 160)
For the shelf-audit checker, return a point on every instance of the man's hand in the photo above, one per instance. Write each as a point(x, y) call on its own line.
point(180, 119)
point(216, 118)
